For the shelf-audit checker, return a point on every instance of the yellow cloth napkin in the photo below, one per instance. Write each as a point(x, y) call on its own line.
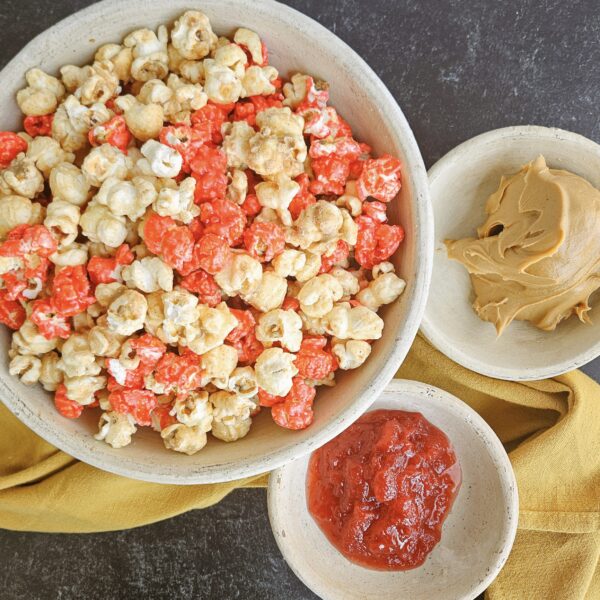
point(551, 427)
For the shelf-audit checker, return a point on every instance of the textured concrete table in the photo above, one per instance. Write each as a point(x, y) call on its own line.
point(457, 68)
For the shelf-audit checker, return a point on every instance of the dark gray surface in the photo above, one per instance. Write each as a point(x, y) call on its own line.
point(457, 68)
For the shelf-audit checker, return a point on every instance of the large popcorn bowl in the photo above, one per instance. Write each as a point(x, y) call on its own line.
point(296, 43)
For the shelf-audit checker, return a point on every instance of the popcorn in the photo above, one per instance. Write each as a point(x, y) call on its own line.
point(319, 222)
point(21, 178)
point(72, 121)
point(350, 354)
point(251, 40)
point(50, 375)
point(46, 154)
point(275, 370)
point(350, 284)
point(384, 289)
point(257, 81)
point(318, 295)
point(42, 94)
point(26, 367)
point(81, 389)
point(104, 162)
point(99, 224)
point(193, 410)
point(107, 293)
point(62, 219)
point(127, 312)
point(242, 382)
point(149, 51)
point(269, 294)
point(219, 362)
point(357, 323)
point(127, 198)
point(70, 256)
point(18, 210)
point(148, 275)
point(236, 143)
point(28, 340)
point(161, 160)
point(97, 83)
point(143, 120)
point(280, 326)
point(278, 196)
point(192, 35)
point(118, 56)
point(240, 276)
point(116, 429)
point(231, 416)
point(181, 438)
point(221, 83)
point(178, 202)
point(77, 358)
point(104, 342)
point(238, 187)
point(68, 183)
point(232, 56)
point(210, 330)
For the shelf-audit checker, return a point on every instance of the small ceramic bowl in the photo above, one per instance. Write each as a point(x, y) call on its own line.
point(296, 43)
point(476, 537)
point(460, 184)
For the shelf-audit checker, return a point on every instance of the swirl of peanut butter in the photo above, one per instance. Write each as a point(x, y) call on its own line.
point(537, 256)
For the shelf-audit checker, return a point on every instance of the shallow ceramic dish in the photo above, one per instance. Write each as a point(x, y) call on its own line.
point(296, 43)
point(460, 184)
point(477, 535)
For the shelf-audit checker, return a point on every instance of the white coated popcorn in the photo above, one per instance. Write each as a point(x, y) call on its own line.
point(97, 83)
point(280, 326)
point(68, 183)
point(71, 256)
point(240, 276)
point(120, 58)
point(269, 294)
point(238, 186)
point(162, 160)
point(350, 354)
point(107, 293)
point(318, 295)
point(28, 340)
point(178, 203)
point(221, 84)
point(18, 210)
point(99, 224)
point(242, 382)
point(148, 275)
point(231, 416)
point(251, 40)
point(192, 36)
point(181, 438)
point(62, 219)
point(319, 222)
point(180, 307)
point(50, 375)
point(232, 56)
point(257, 81)
point(187, 97)
point(301, 265)
point(77, 358)
point(348, 281)
point(384, 289)
point(104, 342)
point(357, 323)
point(127, 198)
point(21, 178)
point(72, 121)
point(219, 362)
point(149, 51)
point(116, 429)
point(26, 367)
point(127, 312)
point(236, 143)
point(42, 94)
point(143, 119)
point(81, 389)
point(104, 162)
point(278, 196)
point(275, 370)
point(46, 154)
point(193, 410)
point(210, 330)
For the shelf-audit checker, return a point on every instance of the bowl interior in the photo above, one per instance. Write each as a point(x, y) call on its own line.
point(460, 184)
point(476, 537)
point(296, 43)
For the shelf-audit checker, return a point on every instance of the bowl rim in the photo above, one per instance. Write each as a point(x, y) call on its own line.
point(459, 409)
point(396, 122)
point(430, 329)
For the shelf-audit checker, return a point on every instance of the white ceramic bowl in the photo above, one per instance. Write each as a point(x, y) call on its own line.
point(476, 537)
point(460, 183)
point(296, 43)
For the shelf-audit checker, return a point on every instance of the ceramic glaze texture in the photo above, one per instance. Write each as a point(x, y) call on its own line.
point(460, 183)
point(476, 537)
point(296, 43)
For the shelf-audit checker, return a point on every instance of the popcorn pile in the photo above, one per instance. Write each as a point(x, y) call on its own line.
point(186, 239)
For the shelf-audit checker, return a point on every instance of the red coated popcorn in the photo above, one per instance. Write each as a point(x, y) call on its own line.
point(186, 237)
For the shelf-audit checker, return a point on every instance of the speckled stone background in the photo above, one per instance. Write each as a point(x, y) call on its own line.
point(457, 68)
